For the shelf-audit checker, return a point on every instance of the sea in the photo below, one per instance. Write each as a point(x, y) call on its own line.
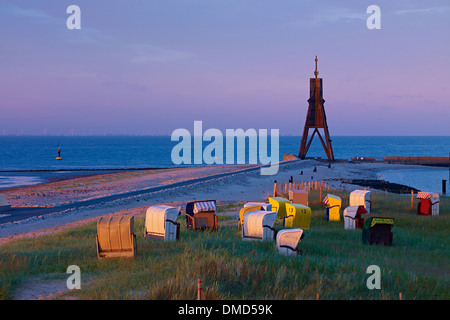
point(29, 160)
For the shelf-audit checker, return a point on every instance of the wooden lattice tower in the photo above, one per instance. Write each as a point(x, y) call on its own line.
point(316, 119)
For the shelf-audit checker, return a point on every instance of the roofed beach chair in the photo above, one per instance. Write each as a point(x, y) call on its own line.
point(333, 208)
point(259, 225)
point(161, 223)
point(246, 209)
point(428, 204)
point(279, 206)
point(360, 198)
point(116, 238)
point(298, 196)
point(201, 215)
point(287, 241)
point(352, 217)
point(297, 216)
point(377, 230)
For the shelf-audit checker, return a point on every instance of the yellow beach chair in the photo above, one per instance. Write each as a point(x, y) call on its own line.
point(297, 216)
point(333, 207)
point(245, 210)
point(279, 206)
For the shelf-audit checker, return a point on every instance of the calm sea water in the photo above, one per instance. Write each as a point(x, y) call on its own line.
point(18, 155)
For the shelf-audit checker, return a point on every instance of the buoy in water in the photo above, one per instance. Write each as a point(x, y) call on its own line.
point(59, 154)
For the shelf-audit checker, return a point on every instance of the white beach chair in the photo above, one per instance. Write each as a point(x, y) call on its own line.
point(360, 198)
point(258, 225)
point(160, 223)
point(287, 241)
point(352, 217)
point(434, 204)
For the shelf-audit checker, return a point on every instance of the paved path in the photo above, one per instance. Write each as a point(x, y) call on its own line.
point(17, 214)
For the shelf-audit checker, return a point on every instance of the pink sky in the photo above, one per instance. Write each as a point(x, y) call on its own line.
point(150, 67)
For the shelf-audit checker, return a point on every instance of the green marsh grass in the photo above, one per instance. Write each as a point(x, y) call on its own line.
point(333, 264)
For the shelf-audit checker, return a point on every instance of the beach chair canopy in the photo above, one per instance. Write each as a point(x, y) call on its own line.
point(264, 205)
point(287, 241)
point(297, 216)
point(115, 237)
point(377, 230)
point(332, 200)
point(429, 203)
point(379, 221)
point(354, 211)
point(423, 195)
point(160, 222)
point(200, 215)
point(298, 196)
point(360, 198)
point(203, 206)
point(259, 225)
point(352, 217)
point(333, 204)
point(246, 209)
point(279, 206)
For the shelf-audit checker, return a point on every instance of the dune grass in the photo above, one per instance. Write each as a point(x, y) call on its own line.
point(333, 264)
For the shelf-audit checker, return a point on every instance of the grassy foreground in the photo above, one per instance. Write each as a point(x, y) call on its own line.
point(333, 264)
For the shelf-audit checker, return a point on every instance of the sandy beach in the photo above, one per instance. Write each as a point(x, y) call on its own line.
point(136, 190)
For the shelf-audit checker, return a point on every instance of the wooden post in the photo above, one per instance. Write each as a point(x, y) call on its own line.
point(412, 200)
point(320, 195)
point(200, 294)
point(275, 189)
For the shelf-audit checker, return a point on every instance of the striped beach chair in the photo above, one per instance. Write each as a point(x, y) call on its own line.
point(333, 205)
point(201, 215)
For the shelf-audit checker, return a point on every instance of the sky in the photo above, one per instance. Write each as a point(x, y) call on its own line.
point(149, 67)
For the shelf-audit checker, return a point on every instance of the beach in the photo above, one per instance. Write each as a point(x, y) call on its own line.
point(85, 199)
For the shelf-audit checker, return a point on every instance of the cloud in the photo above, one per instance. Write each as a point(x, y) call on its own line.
point(147, 54)
point(31, 14)
point(434, 10)
point(331, 14)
